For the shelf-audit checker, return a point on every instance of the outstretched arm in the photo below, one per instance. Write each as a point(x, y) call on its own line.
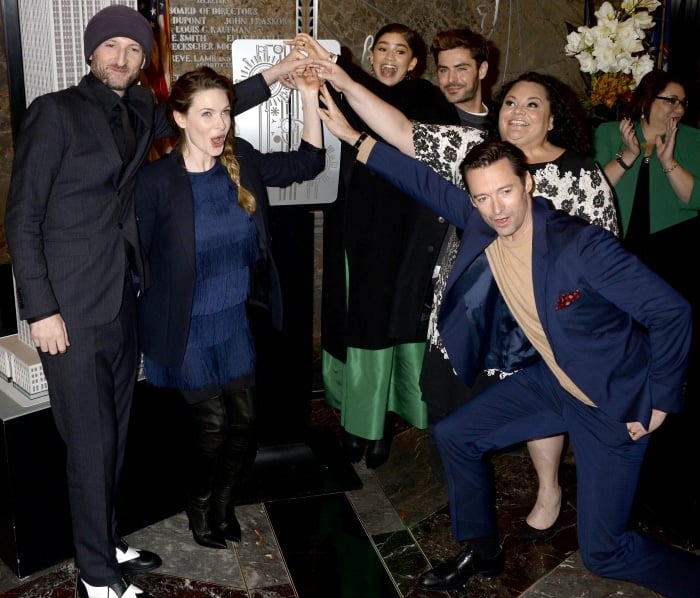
point(407, 174)
point(383, 118)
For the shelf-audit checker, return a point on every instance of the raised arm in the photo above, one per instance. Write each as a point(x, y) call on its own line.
point(307, 84)
point(407, 174)
point(383, 118)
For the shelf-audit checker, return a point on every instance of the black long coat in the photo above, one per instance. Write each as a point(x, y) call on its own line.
point(391, 242)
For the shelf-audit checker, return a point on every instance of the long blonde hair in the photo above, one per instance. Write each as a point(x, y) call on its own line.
point(180, 100)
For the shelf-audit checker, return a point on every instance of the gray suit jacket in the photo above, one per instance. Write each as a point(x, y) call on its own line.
point(70, 213)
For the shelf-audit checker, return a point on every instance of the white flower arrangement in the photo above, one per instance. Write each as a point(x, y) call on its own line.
point(613, 52)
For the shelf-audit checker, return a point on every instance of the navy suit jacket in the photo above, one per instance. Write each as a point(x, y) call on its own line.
point(623, 340)
point(165, 213)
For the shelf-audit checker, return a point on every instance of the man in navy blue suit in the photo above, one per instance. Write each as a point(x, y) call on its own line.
point(608, 342)
point(613, 341)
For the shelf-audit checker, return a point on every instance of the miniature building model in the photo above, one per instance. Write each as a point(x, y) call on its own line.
point(19, 361)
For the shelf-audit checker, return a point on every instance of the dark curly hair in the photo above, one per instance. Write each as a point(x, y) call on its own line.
point(571, 128)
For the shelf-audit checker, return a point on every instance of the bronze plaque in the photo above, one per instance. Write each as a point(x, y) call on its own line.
point(202, 31)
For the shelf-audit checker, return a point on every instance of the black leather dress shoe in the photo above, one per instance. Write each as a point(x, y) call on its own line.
point(134, 560)
point(457, 571)
point(116, 590)
point(353, 447)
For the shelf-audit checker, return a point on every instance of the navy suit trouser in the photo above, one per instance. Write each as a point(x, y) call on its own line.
point(91, 387)
point(532, 404)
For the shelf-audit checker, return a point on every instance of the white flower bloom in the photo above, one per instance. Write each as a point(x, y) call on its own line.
point(590, 36)
point(625, 63)
point(641, 67)
point(588, 64)
point(606, 54)
point(605, 13)
point(630, 6)
point(629, 41)
point(641, 20)
point(574, 43)
point(606, 29)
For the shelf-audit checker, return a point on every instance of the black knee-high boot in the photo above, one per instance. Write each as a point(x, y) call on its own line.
point(209, 419)
point(237, 457)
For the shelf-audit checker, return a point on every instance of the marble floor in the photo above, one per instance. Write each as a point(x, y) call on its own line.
point(370, 540)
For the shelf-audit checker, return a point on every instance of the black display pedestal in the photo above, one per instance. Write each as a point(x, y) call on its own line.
point(34, 517)
point(284, 358)
point(293, 460)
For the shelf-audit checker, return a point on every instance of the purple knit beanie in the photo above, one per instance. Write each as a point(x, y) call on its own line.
point(118, 21)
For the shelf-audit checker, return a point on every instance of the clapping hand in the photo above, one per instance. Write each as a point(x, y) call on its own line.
point(665, 147)
point(629, 137)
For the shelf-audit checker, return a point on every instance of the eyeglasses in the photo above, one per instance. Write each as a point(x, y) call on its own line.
point(673, 101)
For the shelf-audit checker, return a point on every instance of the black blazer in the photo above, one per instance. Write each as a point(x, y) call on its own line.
point(70, 213)
point(164, 208)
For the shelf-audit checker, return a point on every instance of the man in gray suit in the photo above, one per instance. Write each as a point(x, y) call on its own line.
point(75, 251)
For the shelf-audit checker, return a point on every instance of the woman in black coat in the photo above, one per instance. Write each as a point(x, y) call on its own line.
point(379, 251)
point(202, 215)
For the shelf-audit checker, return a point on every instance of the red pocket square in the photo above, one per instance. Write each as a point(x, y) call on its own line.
point(567, 299)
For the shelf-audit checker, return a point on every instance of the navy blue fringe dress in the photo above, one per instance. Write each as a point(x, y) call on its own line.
point(219, 345)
